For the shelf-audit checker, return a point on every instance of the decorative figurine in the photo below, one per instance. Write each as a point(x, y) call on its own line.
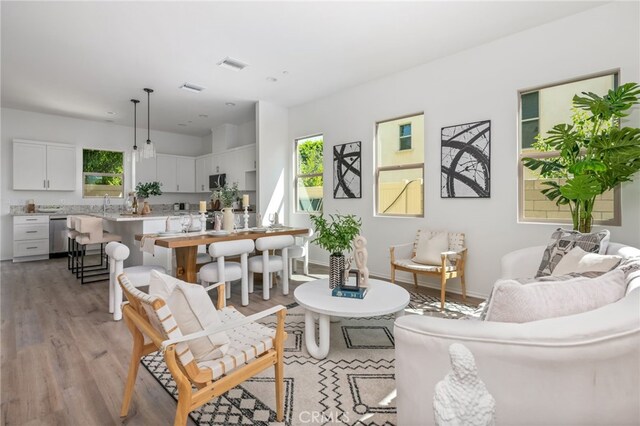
point(461, 398)
point(217, 224)
point(361, 255)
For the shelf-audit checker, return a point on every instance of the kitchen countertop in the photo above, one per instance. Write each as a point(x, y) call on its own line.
point(114, 216)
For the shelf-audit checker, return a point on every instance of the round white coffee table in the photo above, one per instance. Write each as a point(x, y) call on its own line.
point(315, 297)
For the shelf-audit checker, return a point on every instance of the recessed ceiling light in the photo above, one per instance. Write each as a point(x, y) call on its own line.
point(192, 87)
point(203, 116)
point(232, 64)
point(272, 79)
point(189, 121)
point(285, 72)
point(230, 104)
point(111, 113)
point(182, 124)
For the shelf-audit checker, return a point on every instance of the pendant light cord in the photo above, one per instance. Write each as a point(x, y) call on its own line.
point(135, 123)
point(149, 91)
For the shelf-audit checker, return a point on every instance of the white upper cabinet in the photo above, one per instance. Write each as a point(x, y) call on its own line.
point(186, 174)
point(166, 172)
point(146, 171)
point(43, 166)
point(204, 168)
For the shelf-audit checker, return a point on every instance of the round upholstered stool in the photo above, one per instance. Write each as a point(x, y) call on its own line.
point(220, 270)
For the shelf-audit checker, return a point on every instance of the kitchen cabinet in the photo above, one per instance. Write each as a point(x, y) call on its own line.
point(235, 163)
point(146, 171)
point(43, 166)
point(30, 238)
point(204, 168)
point(176, 173)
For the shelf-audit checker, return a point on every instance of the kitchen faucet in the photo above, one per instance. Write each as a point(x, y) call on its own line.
point(105, 200)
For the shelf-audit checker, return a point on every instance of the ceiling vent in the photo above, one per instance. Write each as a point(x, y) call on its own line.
point(192, 87)
point(232, 64)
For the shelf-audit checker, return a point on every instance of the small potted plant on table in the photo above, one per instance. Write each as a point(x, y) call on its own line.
point(144, 191)
point(227, 195)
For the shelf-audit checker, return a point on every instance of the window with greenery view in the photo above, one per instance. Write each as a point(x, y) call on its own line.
point(309, 170)
point(400, 166)
point(102, 173)
point(540, 110)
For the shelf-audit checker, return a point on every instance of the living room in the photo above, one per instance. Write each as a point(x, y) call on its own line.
point(461, 78)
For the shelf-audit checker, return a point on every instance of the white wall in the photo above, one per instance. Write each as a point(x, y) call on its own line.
point(18, 124)
point(477, 84)
point(273, 163)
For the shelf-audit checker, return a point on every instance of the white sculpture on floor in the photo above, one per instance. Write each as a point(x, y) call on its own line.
point(461, 398)
point(360, 254)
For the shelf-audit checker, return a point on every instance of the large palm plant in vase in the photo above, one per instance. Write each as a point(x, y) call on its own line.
point(595, 154)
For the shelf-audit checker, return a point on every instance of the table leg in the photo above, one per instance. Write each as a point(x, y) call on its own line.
point(321, 350)
point(186, 263)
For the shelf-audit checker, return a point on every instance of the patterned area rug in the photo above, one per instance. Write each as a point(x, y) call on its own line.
point(355, 384)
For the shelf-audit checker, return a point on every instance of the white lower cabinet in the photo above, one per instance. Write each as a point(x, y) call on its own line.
point(30, 238)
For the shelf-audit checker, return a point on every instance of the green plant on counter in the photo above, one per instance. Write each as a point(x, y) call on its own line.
point(145, 190)
point(227, 194)
point(336, 235)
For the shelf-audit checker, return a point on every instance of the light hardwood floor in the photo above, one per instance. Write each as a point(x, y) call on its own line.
point(64, 361)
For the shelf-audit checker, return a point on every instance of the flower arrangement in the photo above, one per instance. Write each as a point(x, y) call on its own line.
point(145, 190)
point(227, 194)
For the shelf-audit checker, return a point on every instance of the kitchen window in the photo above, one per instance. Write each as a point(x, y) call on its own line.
point(540, 110)
point(400, 166)
point(102, 173)
point(309, 169)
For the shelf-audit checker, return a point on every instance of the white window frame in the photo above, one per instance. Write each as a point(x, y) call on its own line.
point(400, 137)
point(298, 176)
point(121, 175)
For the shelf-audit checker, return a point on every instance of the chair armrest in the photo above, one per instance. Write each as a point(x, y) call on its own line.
point(223, 327)
point(521, 263)
point(221, 301)
point(401, 251)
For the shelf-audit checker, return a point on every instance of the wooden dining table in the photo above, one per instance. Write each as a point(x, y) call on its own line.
point(186, 247)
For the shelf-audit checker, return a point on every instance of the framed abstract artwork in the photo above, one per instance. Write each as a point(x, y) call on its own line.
point(347, 182)
point(465, 170)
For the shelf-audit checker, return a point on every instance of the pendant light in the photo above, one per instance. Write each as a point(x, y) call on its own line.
point(135, 155)
point(148, 150)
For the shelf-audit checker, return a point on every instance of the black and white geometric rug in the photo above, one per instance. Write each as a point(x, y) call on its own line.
point(354, 385)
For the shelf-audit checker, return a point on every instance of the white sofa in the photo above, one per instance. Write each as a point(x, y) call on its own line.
point(581, 369)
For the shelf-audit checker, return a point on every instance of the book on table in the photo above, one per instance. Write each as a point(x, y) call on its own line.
point(357, 293)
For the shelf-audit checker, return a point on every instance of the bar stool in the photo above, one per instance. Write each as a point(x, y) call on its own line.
point(229, 271)
point(266, 264)
point(92, 233)
point(139, 276)
point(72, 250)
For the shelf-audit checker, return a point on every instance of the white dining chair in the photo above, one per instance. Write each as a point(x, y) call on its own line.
point(300, 251)
point(222, 271)
point(268, 263)
point(138, 275)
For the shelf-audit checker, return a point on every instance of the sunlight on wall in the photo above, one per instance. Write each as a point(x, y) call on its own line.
point(276, 202)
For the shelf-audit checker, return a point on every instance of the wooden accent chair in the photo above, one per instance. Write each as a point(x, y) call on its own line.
point(451, 266)
point(253, 348)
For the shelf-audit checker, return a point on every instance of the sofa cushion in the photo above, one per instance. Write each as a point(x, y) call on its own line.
point(193, 311)
point(511, 301)
point(562, 241)
point(429, 246)
point(578, 260)
point(631, 268)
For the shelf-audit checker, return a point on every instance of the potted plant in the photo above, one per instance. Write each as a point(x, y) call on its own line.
point(227, 195)
point(146, 190)
point(336, 236)
point(594, 153)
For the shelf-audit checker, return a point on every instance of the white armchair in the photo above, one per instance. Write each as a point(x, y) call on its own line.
point(577, 369)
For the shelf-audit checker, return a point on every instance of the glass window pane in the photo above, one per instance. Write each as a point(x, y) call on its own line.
point(405, 143)
point(400, 192)
point(530, 105)
point(98, 186)
point(530, 129)
point(97, 161)
point(309, 194)
point(389, 149)
point(309, 155)
point(405, 130)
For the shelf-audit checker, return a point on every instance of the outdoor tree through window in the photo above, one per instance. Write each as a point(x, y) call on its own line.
point(102, 173)
point(309, 168)
point(400, 166)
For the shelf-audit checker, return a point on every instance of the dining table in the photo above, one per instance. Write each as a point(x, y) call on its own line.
point(186, 245)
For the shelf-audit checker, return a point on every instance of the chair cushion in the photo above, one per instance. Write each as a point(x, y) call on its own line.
point(408, 263)
point(141, 275)
point(203, 258)
point(578, 260)
point(209, 272)
point(429, 246)
point(193, 311)
point(511, 301)
point(246, 343)
point(275, 263)
point(562, 241)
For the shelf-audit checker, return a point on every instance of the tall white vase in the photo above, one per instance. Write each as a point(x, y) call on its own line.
point(227, 219)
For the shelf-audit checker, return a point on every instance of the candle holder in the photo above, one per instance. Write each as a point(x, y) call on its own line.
point(203, 222)
point(246, 218)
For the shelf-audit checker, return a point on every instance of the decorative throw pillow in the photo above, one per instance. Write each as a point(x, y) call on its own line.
point(562, 241)
point(193, 311)
point(429, 246)
point(578, 260)
point(631, 268)
point(514, 302)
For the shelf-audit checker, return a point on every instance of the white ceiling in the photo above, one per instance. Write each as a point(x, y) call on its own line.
point(83, 59)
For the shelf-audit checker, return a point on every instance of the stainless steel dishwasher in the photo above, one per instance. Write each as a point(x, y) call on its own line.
point(57, 236)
